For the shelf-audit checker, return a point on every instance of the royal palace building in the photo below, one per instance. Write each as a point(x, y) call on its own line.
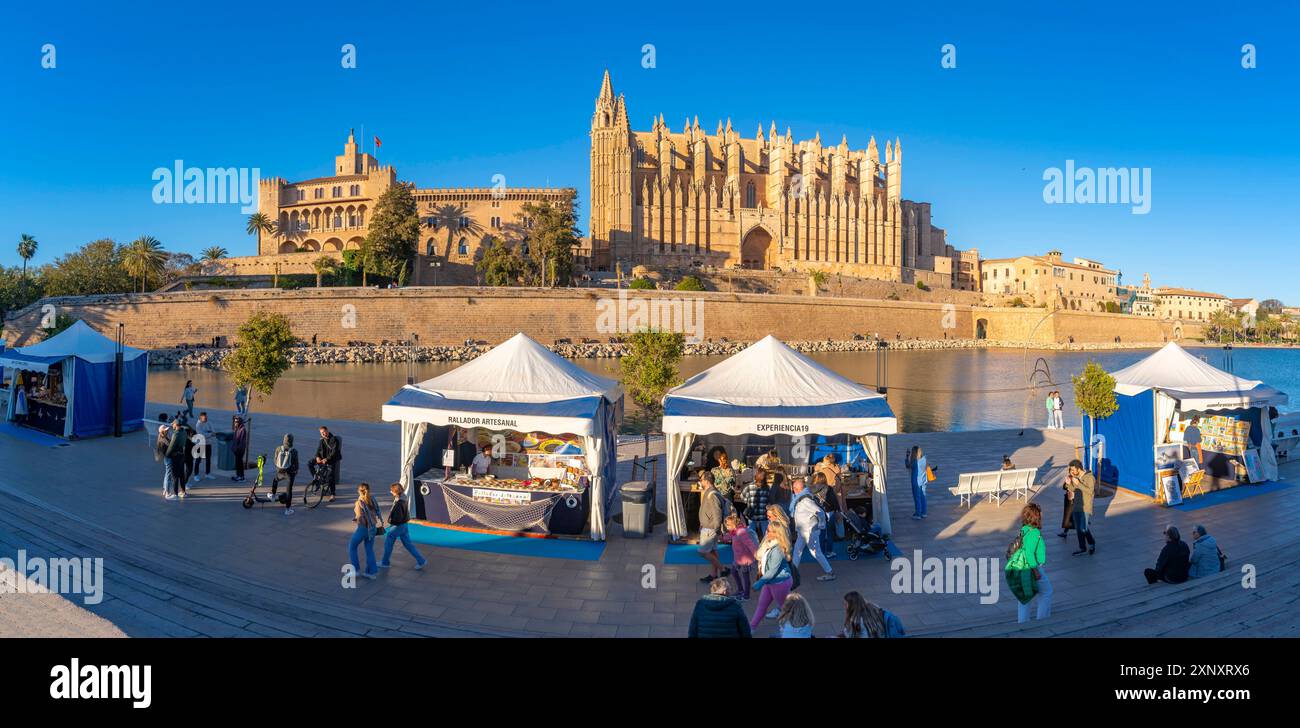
point(664, 198)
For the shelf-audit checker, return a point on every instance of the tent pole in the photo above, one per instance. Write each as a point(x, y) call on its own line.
point(117, 385)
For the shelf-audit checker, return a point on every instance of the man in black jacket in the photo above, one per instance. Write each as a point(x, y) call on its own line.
point(329, 451)
point(177, 446)
point(1174, 559)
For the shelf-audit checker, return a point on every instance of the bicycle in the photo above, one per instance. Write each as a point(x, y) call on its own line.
point(314, 492)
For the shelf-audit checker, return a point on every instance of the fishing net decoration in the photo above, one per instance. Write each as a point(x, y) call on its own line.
point(500, 517)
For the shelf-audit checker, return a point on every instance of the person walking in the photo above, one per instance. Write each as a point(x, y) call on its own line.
point(809, 521)
point(718, 616)
point(1174, 562)
point(187, 397)
point(774, 578)
point(239, 445)
point(1082, 488)
point(241, 400)
point(1207, 559)
point(177, 445)
point(743, 551)
point(328, 452)
point(205, 434)
point(1058, 410)
point(713, 509)
point(399, 516)
point(286, 468)
point(920, 476)
point(1024, 570)
point(365, 513)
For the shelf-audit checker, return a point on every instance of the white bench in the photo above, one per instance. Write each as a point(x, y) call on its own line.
point(996, 485)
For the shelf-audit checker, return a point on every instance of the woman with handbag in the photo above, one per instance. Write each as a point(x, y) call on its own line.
point(1024, 570)
point(365, 513)
point(921, 475)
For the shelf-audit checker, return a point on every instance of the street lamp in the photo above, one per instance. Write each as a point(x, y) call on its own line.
point(435, 264)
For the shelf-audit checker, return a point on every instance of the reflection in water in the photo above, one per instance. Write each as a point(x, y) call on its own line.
point(953, 390)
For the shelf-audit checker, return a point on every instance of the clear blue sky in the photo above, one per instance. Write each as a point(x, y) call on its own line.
point(459, 92)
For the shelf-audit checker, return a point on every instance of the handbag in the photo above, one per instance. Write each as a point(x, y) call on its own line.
point(1223, 559)
point(929, 474)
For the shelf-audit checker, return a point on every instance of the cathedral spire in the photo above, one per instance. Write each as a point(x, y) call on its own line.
point(606, 88)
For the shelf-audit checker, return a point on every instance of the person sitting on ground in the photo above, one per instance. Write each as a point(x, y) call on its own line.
point(718, 616)
point(1174, 560)
point(713, 508)
point(743, 550)
point(1007, 464)
point(796, 617)
point(867, 619)
point(1206, 559)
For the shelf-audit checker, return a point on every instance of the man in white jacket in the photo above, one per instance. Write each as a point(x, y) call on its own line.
point(809, 520)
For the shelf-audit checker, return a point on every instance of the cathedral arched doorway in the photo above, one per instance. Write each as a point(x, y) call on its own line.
point(755, 248)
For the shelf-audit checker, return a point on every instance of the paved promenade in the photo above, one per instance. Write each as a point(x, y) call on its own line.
point(206, 566)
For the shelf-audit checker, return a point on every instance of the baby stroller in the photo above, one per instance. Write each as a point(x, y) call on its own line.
point(861, 538)
point(252, 496)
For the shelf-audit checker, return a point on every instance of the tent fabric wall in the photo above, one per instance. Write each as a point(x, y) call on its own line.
point(678, 447)
point(876, 449)
point(1129, 442)
point(90, 400)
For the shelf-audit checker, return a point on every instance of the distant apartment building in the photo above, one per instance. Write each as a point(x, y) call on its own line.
point(1049, 280)
point(1137, 300)
point(1182, 304)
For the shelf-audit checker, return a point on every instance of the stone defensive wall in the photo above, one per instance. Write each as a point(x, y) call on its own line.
point(444, 316)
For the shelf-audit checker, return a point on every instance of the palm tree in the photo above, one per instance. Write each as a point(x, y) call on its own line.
point(214, 253)
point(259, 223)
point(26, 250)
point(323, 265)
point(144, 257)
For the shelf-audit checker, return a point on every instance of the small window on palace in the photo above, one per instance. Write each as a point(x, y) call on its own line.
point(496, 222)
point(355, 191)
point(464, 222)
point(751, 195)
point(318, 193)
point(337, 191)
point(462, 248)
point(338, 221)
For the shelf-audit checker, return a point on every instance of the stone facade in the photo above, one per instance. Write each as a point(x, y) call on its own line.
point(447, 316)
point(664, 198)
point(332, 214)
point(1048, 280)
point(1181, 304)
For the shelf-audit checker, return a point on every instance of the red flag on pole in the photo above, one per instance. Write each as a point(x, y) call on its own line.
point(378, 143)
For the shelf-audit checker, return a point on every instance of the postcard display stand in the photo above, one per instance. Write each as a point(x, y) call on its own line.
point(538, 484)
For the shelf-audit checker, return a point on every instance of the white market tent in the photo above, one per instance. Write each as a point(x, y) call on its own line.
point(770, 390)
point(1152, 392)
point(87, 361)
point(522, 386)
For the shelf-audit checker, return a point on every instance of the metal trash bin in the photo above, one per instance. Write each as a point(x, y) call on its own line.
point(223, 450)
point(638, 509)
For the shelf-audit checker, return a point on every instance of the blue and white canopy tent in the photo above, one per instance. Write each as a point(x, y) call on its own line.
point(524, 387)
point(86, 359)
point(1159, 392)
point(771, 390)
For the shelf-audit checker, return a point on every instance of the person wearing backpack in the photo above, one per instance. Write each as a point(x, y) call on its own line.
point(809, 522)
point(1024, 571)
point(713, 509)
point(286, 466)
point(177, 445)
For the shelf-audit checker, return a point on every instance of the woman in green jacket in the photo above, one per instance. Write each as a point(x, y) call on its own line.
point(1025, 566)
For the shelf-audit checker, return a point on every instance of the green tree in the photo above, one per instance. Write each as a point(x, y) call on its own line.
point(261, 354)
point(144, 257)
point(214, 253)
point(689, 283)
point(641, 284)
point(552, 236)
point(323, 266)
point(17, 290)
point(95, 268)
point(1225, 324)
point(501, 265)
point(650, 368)
point(27, 246)
point(389, 247)
point(1094, 395)
point(258, 223)
point(816, 279)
